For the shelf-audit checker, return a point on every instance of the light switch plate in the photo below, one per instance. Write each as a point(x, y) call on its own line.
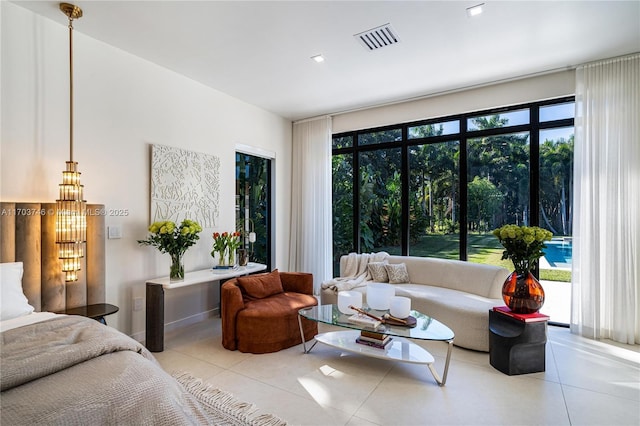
point(114, 232)
point(137, 303)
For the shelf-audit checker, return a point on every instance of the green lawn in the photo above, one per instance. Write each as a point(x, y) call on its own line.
point(555, 275)
point(483, 248)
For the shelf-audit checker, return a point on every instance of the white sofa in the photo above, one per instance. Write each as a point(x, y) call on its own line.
point(456, 293)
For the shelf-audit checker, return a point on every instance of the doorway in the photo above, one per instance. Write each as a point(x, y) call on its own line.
point(253, 206)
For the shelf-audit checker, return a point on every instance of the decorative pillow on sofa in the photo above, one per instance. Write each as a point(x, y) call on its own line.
point(378, 272)
point(14, 303)
point(262, 285)
point(397, 273)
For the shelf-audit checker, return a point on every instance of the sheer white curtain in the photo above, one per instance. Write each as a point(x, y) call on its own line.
point(606, 244)
point(310, 246)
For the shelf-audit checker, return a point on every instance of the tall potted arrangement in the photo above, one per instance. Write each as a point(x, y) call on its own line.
point(220, 247)
point(225, 246)
point(233, 244)
point(175, 240)
point(524, 245)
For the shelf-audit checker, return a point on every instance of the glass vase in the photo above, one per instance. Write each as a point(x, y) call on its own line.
point(522, 293)
point(232, 258)
point(226, 259)
point(222, 259)
point(176, 273)
point(243, 257)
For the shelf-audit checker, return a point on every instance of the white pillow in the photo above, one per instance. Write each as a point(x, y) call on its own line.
point(13, 301)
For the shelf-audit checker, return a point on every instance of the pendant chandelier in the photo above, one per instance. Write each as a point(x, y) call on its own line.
point(71, 208)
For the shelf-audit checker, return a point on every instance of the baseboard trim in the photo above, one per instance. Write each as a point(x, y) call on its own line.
point(183, 322)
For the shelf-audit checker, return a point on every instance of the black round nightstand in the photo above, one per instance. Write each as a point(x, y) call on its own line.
point(97, 311)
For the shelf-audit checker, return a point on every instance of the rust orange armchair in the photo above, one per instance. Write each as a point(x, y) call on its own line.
point(260, 312)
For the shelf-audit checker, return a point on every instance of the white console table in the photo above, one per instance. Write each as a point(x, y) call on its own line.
point(155, 296)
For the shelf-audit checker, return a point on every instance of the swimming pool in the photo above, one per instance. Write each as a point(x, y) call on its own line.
point(559, 252)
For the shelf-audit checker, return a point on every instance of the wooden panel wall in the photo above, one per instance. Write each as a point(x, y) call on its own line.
point(27, 248)
point(7, 233)
point(95, 254)
point(53, 291)
point(27, 235)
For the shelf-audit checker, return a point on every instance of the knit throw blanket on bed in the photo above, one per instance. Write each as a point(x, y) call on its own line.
point(356, 273)
point(75, 371)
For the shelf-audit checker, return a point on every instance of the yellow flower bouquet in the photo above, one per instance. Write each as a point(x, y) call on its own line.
point(523, 245)
point(175, 240)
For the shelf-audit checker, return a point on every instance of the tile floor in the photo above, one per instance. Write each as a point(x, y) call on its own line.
point(585, 383)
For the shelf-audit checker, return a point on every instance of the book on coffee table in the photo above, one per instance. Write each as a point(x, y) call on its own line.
point(364, 320)
point(373, 337)
point(378, 345)
point(373, 334)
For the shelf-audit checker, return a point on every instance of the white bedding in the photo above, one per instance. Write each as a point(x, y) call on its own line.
point(23, 320)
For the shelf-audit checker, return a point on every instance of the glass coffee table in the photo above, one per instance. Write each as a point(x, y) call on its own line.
point(401, 348)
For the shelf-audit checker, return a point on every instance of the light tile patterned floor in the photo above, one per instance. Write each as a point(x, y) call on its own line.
point(585, 383)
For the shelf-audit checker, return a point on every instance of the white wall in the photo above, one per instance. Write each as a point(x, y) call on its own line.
point(491, 96)
point(123, 104)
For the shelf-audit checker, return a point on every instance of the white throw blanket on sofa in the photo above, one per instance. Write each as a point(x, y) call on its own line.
point(356, 273)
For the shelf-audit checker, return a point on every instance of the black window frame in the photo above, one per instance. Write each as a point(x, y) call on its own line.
point(533, 128)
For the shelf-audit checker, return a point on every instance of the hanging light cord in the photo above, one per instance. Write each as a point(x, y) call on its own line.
point(72, 12)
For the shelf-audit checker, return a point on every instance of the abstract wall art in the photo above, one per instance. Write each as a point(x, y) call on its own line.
point(184, 185)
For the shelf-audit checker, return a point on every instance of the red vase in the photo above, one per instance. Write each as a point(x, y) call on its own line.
point(522, 293)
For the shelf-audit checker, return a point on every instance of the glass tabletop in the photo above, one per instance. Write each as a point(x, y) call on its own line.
point(427, 328)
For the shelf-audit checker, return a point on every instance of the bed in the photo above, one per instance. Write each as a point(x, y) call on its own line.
point(66, 369)
point(73, 370)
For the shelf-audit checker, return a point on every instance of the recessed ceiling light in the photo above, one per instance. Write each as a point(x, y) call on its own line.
point(474, 10)
point(318, 58)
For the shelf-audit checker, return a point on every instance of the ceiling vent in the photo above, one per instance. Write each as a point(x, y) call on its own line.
point(378, 37)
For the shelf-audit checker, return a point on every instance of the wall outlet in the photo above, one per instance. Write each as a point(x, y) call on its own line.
point(137, 303)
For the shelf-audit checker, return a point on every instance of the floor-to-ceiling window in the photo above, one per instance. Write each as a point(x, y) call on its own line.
point(434, 195)
point(380, 200)
point(498, 188)
point(556, 208)
point(342, 202)
point(440, 187)
point(253, 205)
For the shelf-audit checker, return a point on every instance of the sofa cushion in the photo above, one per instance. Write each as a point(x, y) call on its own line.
point(378, 272)
point(476, 278)
point(467, 314)
point(261, 285)
point(397, 273)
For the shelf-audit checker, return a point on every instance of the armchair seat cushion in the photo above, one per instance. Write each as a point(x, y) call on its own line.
point(271, 324)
